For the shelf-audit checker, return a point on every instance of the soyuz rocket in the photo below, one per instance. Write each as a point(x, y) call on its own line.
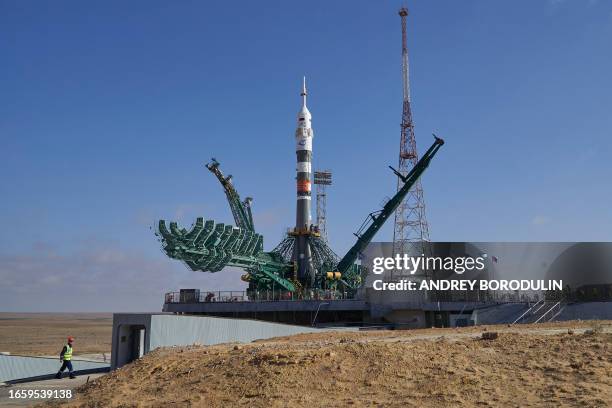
point(302, 254)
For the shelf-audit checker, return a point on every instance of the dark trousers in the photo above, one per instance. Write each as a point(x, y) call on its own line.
point(66, 364)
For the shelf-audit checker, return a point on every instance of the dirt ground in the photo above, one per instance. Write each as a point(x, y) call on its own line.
point(561, 364)
point(40, 334)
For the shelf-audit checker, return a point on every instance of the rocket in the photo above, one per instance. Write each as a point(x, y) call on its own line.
point(303, 222)
point(303, 151)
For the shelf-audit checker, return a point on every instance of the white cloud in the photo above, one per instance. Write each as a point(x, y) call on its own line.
point(101, 277)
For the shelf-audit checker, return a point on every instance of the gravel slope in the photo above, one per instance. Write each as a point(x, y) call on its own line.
point(525, 366)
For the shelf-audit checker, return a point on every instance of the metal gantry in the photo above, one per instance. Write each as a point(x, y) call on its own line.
point(322, 179)
point(209, 247)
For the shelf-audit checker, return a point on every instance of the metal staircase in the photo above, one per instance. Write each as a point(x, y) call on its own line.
point(541, 311)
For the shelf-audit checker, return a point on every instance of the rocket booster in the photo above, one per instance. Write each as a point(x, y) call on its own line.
point(303, 150)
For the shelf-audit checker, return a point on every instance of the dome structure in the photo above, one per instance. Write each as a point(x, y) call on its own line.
point(586, 271)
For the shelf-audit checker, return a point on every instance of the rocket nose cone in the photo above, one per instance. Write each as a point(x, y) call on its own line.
point(304, 113)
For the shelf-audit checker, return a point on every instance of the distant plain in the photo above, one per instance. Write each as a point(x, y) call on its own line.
point(44, 334)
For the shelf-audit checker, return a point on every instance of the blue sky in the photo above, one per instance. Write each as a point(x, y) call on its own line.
point(110, 109)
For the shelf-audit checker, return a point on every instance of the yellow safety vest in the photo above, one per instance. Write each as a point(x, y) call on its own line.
point(68, 353)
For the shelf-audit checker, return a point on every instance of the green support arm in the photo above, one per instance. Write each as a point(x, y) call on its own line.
point(241, 211)
point(378, 219)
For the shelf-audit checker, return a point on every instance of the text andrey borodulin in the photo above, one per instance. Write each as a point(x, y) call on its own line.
point(459, 265)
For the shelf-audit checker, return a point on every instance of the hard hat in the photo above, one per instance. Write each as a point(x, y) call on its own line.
point(70, 338)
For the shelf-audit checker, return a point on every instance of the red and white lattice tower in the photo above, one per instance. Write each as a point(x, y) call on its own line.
point(410, 220)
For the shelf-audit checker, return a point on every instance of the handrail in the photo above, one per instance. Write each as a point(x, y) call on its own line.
point(204, 296)
point(541, 317)
point(561, 307)
point(316, 314)
point(541, 306)
point(527, 311)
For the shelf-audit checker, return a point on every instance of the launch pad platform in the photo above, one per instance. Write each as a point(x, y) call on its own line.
point(324, 312)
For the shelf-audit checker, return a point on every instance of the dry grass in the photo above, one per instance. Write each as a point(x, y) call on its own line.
point(36, 334)
point(431, 368)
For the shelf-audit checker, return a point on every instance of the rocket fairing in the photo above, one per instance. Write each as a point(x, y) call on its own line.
point(303, 221)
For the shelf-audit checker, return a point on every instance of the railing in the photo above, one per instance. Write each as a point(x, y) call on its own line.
point(540, 307)
point(558, 304)
point(256, 296)
point(518, 319)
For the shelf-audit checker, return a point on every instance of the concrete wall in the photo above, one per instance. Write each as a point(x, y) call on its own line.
point(407, 319)
point(162, 330)
point(16, 368)
point(460, 319)
point(168, 330)
point(507, 313)
point(586, 311)
point(499, 314)
point(126, 332)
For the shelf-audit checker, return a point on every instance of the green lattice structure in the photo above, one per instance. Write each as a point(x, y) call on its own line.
point(210, 247)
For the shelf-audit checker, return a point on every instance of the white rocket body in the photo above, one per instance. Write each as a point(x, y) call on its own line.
point(303, 219)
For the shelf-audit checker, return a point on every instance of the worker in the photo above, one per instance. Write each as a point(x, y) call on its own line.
point(66, 359)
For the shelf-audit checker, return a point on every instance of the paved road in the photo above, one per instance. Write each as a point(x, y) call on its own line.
point(63, 384)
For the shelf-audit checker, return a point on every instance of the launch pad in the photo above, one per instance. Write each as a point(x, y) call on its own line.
point(363, 312)
point(302, 265)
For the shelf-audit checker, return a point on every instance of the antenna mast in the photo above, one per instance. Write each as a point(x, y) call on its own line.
point(410, 220)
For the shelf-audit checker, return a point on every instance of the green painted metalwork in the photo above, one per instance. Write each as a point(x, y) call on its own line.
point(210, 247)
point(377, 219)
point(241, 210)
